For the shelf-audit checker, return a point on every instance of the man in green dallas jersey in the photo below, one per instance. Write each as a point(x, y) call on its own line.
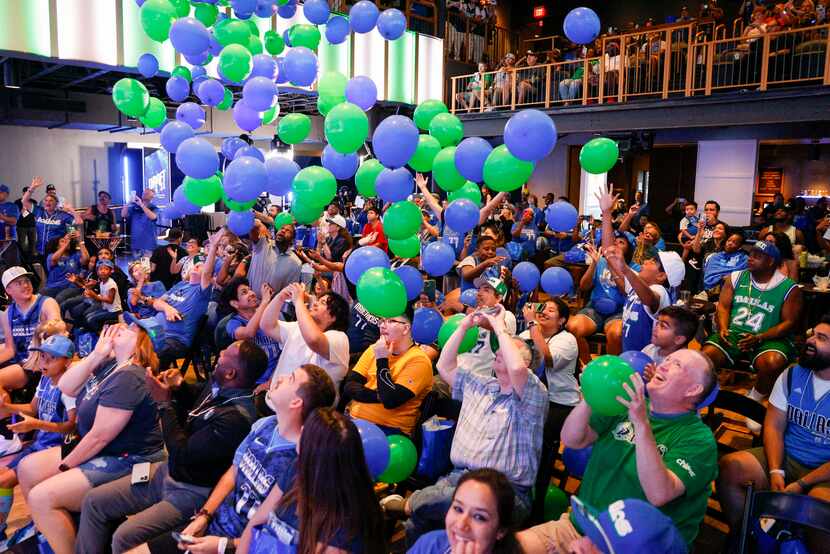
point(757, 314)
point(660, 451)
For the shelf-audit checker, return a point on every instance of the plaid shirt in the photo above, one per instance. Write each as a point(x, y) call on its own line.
point(497, 430)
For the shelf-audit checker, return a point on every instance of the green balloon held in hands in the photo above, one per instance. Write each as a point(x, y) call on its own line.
point(470, 191)
point(445, 172)
point(448, 328)
point(346, 128)
point(382, 292)
point(232, 31)
point(428, 148)
point(156, 19)
point(294, 128)
point(599, 155)
point(505, 172)
point(304, 34)
point(447, 128)
point(403, 457)
point(274, 44)
point(155, 115)
point(366, 176)
point(227, 101)
point(426, 111)
point(602, 382)
point(406, 248)
point(401, 220)
point(203, 192)
point(130, 97)
point(235, 62)
point(315, 185)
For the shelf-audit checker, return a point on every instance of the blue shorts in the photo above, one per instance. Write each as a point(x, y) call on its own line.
point(599, 319)
point(28, 449)
point(103, 469)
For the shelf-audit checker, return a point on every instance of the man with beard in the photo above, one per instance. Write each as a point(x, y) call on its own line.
point(795, 457)
point(273, 263)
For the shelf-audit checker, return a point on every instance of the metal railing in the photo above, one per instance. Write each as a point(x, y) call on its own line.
point(471, 41)
point(657, 64)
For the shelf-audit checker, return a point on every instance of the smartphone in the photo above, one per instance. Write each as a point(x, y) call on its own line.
point(141, 473)
point(429, 289)
point(184, 539)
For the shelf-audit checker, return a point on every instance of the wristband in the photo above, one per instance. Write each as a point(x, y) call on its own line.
point(780, 472)
point(223, 544)
point(204, 512)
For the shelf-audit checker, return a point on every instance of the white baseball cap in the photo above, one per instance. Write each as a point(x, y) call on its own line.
point(13, 273)
point(338, 220)
point(673, 266)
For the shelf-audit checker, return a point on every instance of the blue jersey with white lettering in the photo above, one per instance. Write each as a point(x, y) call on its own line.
point(49, 226)
point(269, 346)
point(807, 437)
point(638, 320)
point(191, 300)
point(23, 327)
point(9, 209)
point(52, 406)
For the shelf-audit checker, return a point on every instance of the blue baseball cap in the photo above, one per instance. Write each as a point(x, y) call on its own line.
point(4, 188)
point(630, 525)
point(154, 328)
point(107, 263)
point(56, 345)
point(769, 249)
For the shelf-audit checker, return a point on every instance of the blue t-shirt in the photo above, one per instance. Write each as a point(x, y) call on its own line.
point(527, 238)
point(638, 321)
point(60, 268)
point(191, 300)
point(632, 240)
point(260, 460)
point(453, 238)
point(9, 209)
point(606, 298)
point(807, 436)
point(270, 346)
point(434, 542)
point(153, 289)
point(49, 226)
point(52, 406)
point(692, 227)
point(142, 228)
point(494, 271)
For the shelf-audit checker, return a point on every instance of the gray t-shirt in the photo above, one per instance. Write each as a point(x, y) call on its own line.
point(269, 265)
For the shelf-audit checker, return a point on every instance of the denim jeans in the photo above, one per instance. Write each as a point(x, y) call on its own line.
point(569, 88)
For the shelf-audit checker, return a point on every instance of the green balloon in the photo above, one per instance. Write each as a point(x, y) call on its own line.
point(428, 148)
point(183, 72)
point(447, 128)
point(346, 127)
point(232, 31)
point(504, 172)
point(326, 103)
point(254, 45)
point(206, 13)
point(445, 172)
point(366, 176)
point(556, 503)
point(235, 206)
point(599, 155)
point(471, 191)
point(426, 111)
point(303, 34)
point(406, 248)
point(156, 18)
point(448, 328)
point(182, 7)
point(305, 213)
point(283, 218)
point(271, 115)
point(401, 220)
point(315, 185)
point(381, 292)
point(282, 2)
point(235, 62)
point(130, 97)
point(155, 115)
point(294, 128)
point(602, 382)
point(227, 101)
point(332, 83)
point(403, 457)
point(203, 192)
point(252, 27)
point(274, 44)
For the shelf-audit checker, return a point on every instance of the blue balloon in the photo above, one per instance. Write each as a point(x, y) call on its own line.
point(264, 65)
point(438, 258)
point(241, 222)
point(362, 91)
point(215, 46)
point(265, 8)
point(462, 215)
point(470, 155)
point(561, 216)
point(189, 36)
point(391, 24)
point(183, 205)
point(281, 76)
point(175, 133)
point(530, 135)
point(301, 66)
point(177, 88)
point(231, 145)
point(343, 166)
point(337, 29)
point(286, 37)
point(581, 25)
point(363, 258)
point(211, 92)
point(426, 322)
point(245, 179)
point(394, 185)
point(412, 280)
point(363, 16)
point(148, 65)
point(395, 141)
point(245, 116)
point(637, 360)
point(192, 114)
point(576, 460)
point(197, 72)
point(171, 212)
point(259, 94)
point(556, 281)
point(375, 446)
point(281, 172)
point(527, 275)
point(287, 12)
point(243, 8)
point(251, 152)
point(198, 59)
point(197, 158)
point(469, 298)
point(316, 11)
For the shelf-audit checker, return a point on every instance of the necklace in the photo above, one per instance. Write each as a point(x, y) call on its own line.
point(198, 411)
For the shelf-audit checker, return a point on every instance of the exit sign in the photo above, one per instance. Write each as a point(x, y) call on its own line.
point(540, 12)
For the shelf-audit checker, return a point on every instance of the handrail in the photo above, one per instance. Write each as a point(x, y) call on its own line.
point(659, 64)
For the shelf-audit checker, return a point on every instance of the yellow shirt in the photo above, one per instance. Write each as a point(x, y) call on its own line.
point(413, 370)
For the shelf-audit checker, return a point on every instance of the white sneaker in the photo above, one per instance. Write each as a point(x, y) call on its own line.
point(10, 446)
point(753, 426)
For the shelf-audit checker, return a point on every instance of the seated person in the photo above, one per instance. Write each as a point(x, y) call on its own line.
point(758, 311)
point(201, 430)
point(795, 457)
point(141, 296)
point(391, 379)
point(500, 426)
point(242, 301)
point(194, 256)
point(118, 427)
point(525, 232)
point(718, 265)
point(789, 261)
point(268, 452)
point(99, 308)
point(659, 451)
point(51, 414)
point(674, 328)
point(301, 514)
point(484, 262)
point(491, 293)
point(64, 257)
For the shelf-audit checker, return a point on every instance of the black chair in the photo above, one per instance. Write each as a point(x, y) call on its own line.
point(201, 352)
point(798, 509)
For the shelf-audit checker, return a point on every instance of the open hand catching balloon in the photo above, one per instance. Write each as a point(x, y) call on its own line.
point(636, 401)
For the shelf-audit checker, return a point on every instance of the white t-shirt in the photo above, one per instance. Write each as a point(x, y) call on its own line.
point(562, 386)
point(827, 234)
point(106, 287)
point(778, 398)
point(295, 352)
point(653, 352)
point(481, 357)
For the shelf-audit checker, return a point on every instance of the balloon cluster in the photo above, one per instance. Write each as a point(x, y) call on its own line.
point(390, 459)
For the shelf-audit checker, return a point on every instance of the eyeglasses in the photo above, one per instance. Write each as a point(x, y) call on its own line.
point(385, 321)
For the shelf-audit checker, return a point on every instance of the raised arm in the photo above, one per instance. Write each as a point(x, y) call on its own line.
point(270, 323)
point(249, 331)
point(210, 263)
point(430, 200)
point(37, 182)
point(488, 208)
point(313, 336)
point(516, 366)
point(625, 225)
point(607, 199)
point(618, 267)
point(76, 376)
point(448, 361)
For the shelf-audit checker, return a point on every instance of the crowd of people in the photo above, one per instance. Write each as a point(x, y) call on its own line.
point(113, 450)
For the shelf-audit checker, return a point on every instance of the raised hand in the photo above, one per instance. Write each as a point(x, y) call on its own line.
point(607, 199)
point(36, 183)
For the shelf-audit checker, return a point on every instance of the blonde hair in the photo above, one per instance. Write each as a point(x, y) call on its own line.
point(43, 332)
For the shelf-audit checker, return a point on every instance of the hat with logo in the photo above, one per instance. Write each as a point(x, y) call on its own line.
point(629, 526)
point(56, 345)
point(673, 267)
point(493, 282)
point(106, 263)
point(338, 220)
point(13, 273)
point(154, 328)
point(769, 249)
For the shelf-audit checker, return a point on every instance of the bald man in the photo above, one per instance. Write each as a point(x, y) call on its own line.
point(659, 451)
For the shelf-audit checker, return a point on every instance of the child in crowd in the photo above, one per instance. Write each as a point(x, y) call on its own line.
point(674, 329)
point(688, 225)
point(99, 307)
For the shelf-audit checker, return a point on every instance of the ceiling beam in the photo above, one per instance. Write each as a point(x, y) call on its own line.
point(43, 73)
point(93, 75)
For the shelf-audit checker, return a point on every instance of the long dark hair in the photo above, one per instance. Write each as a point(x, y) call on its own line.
point(505, 498)
point(333, 492)
point(784, 244)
